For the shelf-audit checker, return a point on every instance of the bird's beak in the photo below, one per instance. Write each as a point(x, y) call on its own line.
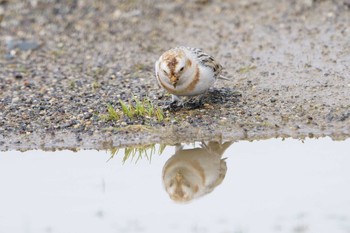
point(178, 177)
point(173, 80)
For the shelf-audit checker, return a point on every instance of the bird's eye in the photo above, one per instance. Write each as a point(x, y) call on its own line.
point(182, 68)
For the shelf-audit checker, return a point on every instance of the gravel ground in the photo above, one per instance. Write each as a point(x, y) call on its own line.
point(62, 62)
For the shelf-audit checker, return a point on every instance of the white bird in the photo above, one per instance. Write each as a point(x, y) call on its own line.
point(185, 71)
point(193, 173)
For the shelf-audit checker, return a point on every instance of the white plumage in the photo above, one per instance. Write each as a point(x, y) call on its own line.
point(185, 71)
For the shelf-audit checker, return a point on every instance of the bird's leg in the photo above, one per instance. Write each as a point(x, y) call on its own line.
point(174, 99)
point(176, 102)
point(178, 147)
point(199, 99)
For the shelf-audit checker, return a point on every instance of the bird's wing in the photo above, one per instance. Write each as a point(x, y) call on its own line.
point(206, 60)
point(220, 177)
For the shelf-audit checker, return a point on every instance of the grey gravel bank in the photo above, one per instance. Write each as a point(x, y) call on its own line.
point(62, 63)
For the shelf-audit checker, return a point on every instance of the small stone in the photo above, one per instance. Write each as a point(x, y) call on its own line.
point(87, 115)
point(347, 3)
point(18, 76)
point(23, 45)
point(68, 124)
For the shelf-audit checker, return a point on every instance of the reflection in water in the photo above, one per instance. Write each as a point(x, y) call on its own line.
point(138, 152)
point(276, 186)
point(193, 173)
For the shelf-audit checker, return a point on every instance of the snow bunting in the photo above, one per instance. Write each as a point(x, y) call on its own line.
point(185, 71)
point(193, 173)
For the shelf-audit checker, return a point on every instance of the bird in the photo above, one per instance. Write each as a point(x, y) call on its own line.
point(186, 71)
point(193, 173)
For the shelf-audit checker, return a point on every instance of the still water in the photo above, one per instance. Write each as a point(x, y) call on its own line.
point(263, 186)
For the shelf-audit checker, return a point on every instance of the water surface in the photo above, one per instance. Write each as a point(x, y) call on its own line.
point(263, 186)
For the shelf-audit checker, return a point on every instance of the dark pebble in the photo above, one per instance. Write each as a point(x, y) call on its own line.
point(68, 124)
point(78, 138)
point(18, 76)
point(345, 116)
point(347, 3)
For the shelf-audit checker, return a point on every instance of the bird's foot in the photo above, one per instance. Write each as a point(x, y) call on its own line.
point(194, 102)
point(174, 105)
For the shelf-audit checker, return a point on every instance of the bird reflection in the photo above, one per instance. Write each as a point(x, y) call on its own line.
point(193, 173)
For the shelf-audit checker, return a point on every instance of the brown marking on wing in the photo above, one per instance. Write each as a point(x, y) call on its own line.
point(194, 82)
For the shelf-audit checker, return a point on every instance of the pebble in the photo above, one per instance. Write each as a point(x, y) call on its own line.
point(23, 45)
point(347, 3)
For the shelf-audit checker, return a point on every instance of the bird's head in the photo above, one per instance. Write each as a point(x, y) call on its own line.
point(173, 65)
point(180, 188)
